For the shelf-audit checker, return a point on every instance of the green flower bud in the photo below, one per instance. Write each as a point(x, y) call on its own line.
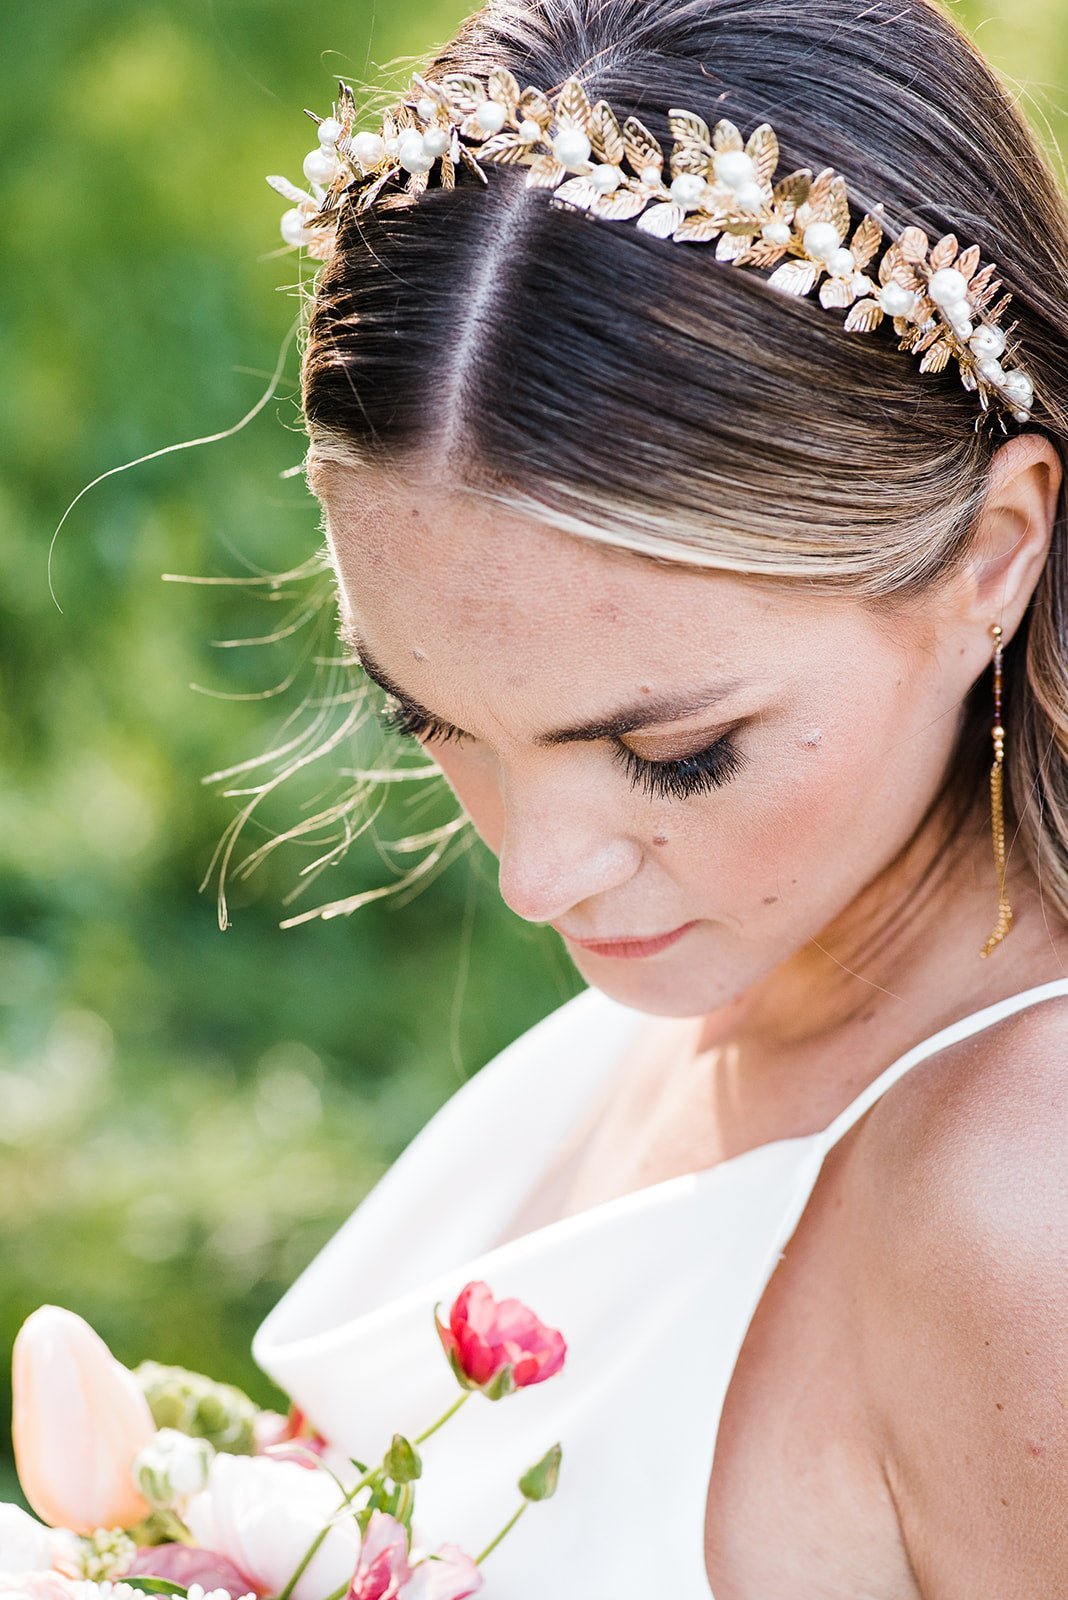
point(171, 1468)
point(198, 1406)
point(402, 1461)
point(100, 1556)
point(539, 1481)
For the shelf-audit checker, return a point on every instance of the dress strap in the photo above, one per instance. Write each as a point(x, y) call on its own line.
point(961, 1029)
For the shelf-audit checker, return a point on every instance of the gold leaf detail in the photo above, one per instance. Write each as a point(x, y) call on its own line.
point(472, 165)
point(642, 149)
point(762, 147)
point(696, 229)
point(913, 245)
point(619, 206)
point(794, 277)
point(504, 89)
point(866, 239)
point(999, 310)
point(545, 172)
point(572, 105)
point(448, 173)
point(864, 317)
point(535, 105)
point(577, 192)
point(690, 158)
point(817, 207)
point(937, 357)
point(503, 148)
point(762, 254)
point(839, 207)
point(661, 220)
point(731, 245)
point(944, 253)
point(835, 292)
point(464, 92)
point(688, 128)
point(968, 261)
point(725, 136)
point(793, 190)
point(606, 135)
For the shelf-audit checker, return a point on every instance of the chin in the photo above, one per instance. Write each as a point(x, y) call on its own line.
point(659, 985)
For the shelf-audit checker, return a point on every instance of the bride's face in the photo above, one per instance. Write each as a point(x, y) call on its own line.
point(647, 747)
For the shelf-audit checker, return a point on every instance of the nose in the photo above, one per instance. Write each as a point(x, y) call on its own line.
point(557, 850)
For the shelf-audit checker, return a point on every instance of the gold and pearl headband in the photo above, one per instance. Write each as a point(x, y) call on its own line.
point(718, 186)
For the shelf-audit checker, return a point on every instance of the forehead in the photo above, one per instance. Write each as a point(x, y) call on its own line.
point(416, 558)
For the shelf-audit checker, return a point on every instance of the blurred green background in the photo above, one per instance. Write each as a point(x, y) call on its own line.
point(186, 1115)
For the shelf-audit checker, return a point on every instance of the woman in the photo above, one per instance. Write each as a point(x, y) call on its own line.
point(695, 595)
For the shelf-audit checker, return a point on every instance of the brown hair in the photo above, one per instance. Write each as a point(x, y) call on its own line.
point(632, 390)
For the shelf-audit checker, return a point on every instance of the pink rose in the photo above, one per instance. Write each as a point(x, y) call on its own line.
point(487, 1340)
point(79, 1420)
point(184, 1564)
point(385, 1573)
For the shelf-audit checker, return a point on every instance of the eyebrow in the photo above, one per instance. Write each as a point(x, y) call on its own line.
point(628, 719)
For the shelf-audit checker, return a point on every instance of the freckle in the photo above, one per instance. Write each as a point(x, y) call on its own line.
point(770, 899)
point(1004, 1502)
point(660, 838)
point(645, 689)
point(998, 1405)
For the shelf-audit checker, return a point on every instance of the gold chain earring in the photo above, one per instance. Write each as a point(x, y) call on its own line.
point(997, 812)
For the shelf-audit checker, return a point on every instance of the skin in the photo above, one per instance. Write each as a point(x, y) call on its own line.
point(774, 1010)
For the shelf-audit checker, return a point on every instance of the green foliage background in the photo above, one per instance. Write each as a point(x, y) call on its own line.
point(186, 1115)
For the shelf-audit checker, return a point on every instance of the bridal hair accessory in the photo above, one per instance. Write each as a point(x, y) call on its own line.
point(997, 814)
point(715, 185)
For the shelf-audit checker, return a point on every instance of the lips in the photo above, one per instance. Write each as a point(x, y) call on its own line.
point(629, 948)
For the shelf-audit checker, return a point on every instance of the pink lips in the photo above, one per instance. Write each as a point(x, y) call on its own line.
point(629, 949)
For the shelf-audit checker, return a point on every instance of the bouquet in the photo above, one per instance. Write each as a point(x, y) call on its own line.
point(164, 1482)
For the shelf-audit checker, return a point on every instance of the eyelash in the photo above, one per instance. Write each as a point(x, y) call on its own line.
point(694, 774)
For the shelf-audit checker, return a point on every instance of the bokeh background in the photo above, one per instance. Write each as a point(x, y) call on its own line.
point(187, 1114)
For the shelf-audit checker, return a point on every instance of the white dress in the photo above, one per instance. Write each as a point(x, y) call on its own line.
point(653, 1291)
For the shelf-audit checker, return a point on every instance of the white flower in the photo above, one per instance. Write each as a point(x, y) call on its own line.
point(263, 1514)
point(172, 1467)
point(25, 1543)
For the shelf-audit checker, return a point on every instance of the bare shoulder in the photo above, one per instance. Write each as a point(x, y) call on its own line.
point(958, 1183)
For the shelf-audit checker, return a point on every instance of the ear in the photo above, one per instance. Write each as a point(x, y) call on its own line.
point(1012, 535)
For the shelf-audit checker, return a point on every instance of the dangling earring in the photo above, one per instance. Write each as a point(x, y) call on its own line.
point(997, 814)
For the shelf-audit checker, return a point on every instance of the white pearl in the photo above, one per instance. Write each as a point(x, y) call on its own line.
point(491, 117)
point(961, 323)
point(320, 166)
point(330, 131)
point(1018, 387)
point(1022, 416)
point(571, 147)
point(861, 285)
point(734, 168)
point(750, 197)
point(821, 240)
point(688, 189)
point(436, 142)
point(411, 154)
point(529, 130)
point(651, 177)
point(392, 145)
point(842, 263)
point(370, 148)
point(896, 300)
point(777, 232)
point(426, 108)
point(991, 368)
point(948, 287)
point(292, 225)
point(988, 340)
point(606, 178)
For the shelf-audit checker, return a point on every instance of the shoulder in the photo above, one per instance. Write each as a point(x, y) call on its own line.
point(958, 1183)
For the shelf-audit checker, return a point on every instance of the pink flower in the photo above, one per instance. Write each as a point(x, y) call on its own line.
point(36, 1586)
point(263, 1515)
point(383, 1565)
point(288, 1438)
point(384, 1571)
point(184, 1564)
point(79, 1420)
point(486, 1339)
point(448, 1575)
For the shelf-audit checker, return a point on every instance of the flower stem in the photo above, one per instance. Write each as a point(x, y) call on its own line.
point(310, 1553)
point(509, 1525)
point(440, 1423)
